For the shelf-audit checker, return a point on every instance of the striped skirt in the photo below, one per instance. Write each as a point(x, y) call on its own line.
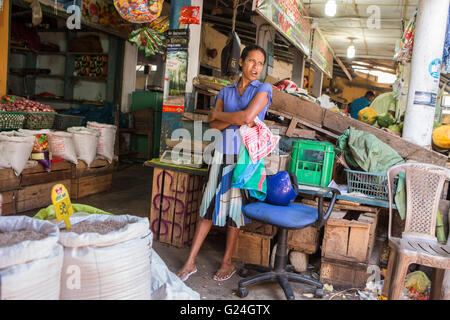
point(221, 203)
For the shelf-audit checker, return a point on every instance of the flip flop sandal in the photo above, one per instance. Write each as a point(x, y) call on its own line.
point(227, 277)
point(188, 275)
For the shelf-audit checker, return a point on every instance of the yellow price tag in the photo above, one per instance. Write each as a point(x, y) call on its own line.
point(61, 203)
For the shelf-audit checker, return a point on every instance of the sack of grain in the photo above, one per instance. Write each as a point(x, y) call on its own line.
point(105, 148)
point(106, 258)
point(31, 259)
point(85, 141)
point(62, 146)
point(16, 150)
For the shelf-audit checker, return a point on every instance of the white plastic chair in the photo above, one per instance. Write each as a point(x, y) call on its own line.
point(418, 243)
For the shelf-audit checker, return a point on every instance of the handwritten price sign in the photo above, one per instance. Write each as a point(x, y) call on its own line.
point(61, 203)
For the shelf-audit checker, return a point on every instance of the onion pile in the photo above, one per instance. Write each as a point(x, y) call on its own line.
point(19, 104)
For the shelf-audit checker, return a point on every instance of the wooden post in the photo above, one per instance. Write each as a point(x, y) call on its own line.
point(4, 48)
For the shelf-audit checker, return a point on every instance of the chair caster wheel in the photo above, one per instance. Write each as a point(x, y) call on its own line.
point(318, 293)
point(242, 292)
point(243, 272)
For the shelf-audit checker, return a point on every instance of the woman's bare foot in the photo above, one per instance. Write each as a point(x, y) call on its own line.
point(187, 270)
point(225, 272)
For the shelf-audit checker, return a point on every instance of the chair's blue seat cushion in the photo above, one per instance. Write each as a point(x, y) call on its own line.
point(293, 216)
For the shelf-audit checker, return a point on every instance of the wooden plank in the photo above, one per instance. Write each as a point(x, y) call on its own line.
point(305, 240)
point(8, 180)
point(189, 218)
point(340, 206)
point(288, 103)
point(358, 243)
point(407, 150)
point(292, 126)
point(38, 174)
point(168, 206)
point(97, 167)
point(335, 241)
point(180, 210)
point(196, 201)
point(8, 206)
point(155, 202)
point(252, 248)
point(343, 274)
point(82, 187)
point(37, 196)
point(298, 133)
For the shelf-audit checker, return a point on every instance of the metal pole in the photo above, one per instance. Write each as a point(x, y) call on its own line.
point(425, 71)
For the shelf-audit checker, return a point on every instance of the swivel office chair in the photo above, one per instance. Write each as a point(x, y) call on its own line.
point(291, 216)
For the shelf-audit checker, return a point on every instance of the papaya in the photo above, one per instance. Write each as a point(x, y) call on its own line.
point(385, 120)
point(367, 115)
point(441, 136)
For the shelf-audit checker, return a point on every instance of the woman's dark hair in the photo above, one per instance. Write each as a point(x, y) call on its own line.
point(252, 47)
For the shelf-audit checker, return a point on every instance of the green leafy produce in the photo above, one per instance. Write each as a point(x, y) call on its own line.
point(385, 120)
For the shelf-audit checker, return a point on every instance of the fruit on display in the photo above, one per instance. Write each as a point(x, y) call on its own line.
point(367, 115)
point(20, 104)
point(441, 136)
point(396, 127)
point(385, 120)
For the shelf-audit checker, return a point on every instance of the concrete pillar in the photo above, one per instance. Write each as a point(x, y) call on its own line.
point(4, 40)
point(316, 90)
point(265, 35)
point(425, 71)
point(298, 68)
point(129, 75)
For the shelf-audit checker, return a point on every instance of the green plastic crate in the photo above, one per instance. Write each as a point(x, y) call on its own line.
point(312, 162)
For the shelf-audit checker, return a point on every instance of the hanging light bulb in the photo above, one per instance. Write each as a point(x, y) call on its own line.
point(330, 8)
point(351, 51)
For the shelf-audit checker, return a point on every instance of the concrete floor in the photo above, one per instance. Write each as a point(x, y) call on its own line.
point(130, 194)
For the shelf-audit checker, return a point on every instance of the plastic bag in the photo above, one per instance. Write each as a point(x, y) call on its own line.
point(139, 11)
point(49, 212)
point(190, 15)
point(258, 140)
point(418, 281)
point(62, 146)
point(41, 149)
point(106, 141)
point(85, 141)
point(36, 10)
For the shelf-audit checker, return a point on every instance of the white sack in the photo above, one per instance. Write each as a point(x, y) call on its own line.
point(112, 266)
point(62, 146)
point(30, 269)
point(166, 285)
point(16, 149)
point(85, 141)
point(105, 147)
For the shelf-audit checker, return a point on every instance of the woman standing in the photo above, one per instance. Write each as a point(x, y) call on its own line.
point(236, 105)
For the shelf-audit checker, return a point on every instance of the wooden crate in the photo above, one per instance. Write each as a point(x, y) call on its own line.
point(8, 207)
point(260, 228)
point(175, 201)
point(98, 167)
point(37, 196)
point(349, 240)
point(85, 186)
point(343, 274)
point(305, 240)
point(38, 175)
point(8, 180)
point(253, 248)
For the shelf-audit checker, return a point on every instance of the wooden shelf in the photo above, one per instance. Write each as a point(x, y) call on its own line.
point(50, 76)
point(86, 78)
point(62, 53)
point(135, 131)
point(69, 100)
